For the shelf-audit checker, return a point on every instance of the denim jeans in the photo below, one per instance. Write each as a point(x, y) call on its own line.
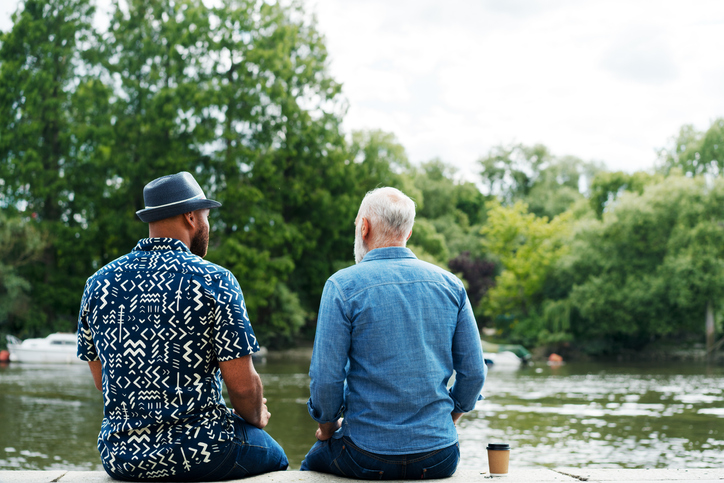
point(342, 458)
point(252, 452)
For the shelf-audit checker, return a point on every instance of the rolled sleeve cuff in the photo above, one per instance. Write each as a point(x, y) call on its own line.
point(459, 408)
point(315, 414)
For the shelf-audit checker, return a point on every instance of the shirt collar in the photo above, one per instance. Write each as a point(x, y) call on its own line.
point(388, 253)
point(160, 244)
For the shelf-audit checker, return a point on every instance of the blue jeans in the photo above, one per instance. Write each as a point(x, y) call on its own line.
point(252, 452)
point(342, 458)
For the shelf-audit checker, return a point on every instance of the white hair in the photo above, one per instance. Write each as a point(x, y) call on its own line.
point(391, 214)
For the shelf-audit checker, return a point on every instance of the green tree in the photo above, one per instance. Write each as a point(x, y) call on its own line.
point(509, 172)
point(607, 186)
point(281, 170)
point(528, 247)
point(380, 160)
point(453, 208)
point(549, 185)
point(155, 55)
point(695, 152)
point(21, 243)
point(41, 71)
point(650, 267)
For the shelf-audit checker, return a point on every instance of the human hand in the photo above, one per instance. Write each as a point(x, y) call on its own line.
point(456, 417)
point(264, 416)
point(326, 430)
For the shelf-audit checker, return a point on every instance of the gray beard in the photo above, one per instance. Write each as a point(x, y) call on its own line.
point(360, 248)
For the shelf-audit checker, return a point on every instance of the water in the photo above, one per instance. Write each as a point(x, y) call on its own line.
point(581, 415)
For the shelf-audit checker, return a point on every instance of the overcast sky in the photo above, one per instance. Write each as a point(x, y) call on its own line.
point(602, 80)
point(605, 80)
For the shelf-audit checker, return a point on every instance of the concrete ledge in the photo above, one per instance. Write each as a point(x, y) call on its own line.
point(519, 475)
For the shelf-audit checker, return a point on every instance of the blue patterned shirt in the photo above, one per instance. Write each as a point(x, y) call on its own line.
point(159, 319)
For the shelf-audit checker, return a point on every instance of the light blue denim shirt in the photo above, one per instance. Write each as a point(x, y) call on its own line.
point(390, 332)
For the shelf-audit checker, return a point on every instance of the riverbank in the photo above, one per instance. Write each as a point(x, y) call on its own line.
point(519, 475)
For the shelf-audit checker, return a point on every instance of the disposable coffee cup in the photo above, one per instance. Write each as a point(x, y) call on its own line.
point(498, 458)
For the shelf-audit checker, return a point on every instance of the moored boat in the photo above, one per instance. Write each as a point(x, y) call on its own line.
point(508, 355)
point(57, 348)
point(503, 358)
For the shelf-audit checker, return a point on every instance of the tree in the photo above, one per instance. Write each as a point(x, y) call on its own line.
point(479, 273)
point(155, 56)
point(509, 172)
point(549, 185)
point(528, 248)
point(650, 267)
point(607, 186)
point(695, 152)
point(41, 68)
point(21, 243)
point(281, 170)
point(380, 160)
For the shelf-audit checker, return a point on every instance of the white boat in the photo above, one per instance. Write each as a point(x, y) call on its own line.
point(57, 348)
point(503, 359)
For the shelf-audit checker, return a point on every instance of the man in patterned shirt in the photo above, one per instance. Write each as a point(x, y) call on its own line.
point(160, 327)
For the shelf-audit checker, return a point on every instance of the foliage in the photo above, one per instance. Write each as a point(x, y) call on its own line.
point(549, 185)
point(452, 211)
point(607, 186)
point(43, 145)
point(694, 152)
point(651, 265)
point(21, 243)
point(528, 248)
point(479, 274)
point(553, 248)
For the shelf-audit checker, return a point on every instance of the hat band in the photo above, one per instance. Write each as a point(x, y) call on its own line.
point(176, 202)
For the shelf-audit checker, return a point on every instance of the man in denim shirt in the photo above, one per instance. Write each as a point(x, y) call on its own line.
point(390, 332)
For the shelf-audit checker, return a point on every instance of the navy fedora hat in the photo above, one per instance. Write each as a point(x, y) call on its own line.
point(173, 195)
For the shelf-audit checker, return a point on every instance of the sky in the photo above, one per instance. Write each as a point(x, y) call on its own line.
point(604, 80)
point(609, 81)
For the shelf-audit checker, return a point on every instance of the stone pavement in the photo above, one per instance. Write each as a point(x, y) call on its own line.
point(519, 475)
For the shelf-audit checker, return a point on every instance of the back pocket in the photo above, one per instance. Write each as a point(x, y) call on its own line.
point(351, 469)
point(444, 468)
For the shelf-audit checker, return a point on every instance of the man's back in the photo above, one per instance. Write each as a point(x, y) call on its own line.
point(406, 325)
point(160, 319)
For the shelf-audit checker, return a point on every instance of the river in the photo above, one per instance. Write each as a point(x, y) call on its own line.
point(616, 415)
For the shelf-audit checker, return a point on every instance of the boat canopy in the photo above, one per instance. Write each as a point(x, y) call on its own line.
point(516, 349)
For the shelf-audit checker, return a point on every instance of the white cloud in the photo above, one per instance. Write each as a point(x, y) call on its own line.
point(608, 81)
point(643, 54)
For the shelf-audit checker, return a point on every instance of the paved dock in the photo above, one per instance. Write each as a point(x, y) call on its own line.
point(521, 475)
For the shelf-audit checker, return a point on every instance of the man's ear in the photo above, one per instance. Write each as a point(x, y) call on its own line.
point(365, 228)
point(190, 219)
point(409, 235)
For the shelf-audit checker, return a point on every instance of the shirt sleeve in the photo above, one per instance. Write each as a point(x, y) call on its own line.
point(233, 335)
point(329, 358)
point(468, 360)
point(86, 348)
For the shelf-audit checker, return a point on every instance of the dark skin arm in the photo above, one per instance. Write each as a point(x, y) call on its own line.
point(456, 417)
point(96, 369)
point(245, 390)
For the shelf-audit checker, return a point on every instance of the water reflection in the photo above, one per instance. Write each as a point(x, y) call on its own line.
point(594, 415)
point(49, 418)
point(612, 416)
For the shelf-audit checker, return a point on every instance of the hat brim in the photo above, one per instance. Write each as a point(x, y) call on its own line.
point(149, 215)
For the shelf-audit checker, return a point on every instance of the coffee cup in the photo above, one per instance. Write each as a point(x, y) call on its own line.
point(498, 458)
